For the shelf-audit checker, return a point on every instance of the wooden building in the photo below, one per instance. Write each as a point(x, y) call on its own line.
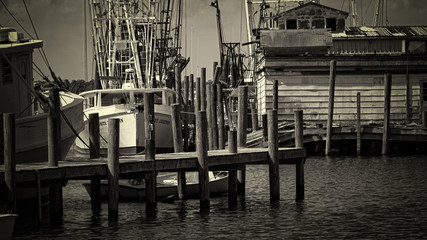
point(298, 56)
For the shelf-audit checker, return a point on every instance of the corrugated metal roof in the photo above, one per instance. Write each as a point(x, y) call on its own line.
point(383, 32)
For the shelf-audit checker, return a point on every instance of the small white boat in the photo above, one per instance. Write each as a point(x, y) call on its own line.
point(166, 186)
point(7, 223)
point(128, 105)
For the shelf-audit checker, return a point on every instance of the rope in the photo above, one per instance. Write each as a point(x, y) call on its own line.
point(100, 133)
point(72, 128)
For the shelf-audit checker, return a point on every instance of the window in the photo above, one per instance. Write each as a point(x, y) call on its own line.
point(6, 71)
point(332, 24)
point(291, 24)
point(139, 98)
point(108, 99)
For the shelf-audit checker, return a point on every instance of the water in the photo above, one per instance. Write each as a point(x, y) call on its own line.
point(345, 197)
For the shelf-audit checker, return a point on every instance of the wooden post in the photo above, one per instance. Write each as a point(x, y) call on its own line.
point(9, 160)
point(178, 85)
point(202, 157)
point(198, 104)
point(408, 98)
point(214, 117)
point(113, 169)
point(203, 90)
point(191, 90)
point(386, 127)
point(254, 115)
point(264, 128)
point(185, 134)
point(220, 117)
point(275, 94)
point(299, 135)
point(150, 153)
point(95, 194)
point(299, 143)
point(177, 143)
point(55, 204)
point(273, 155)
point(332, 72)
point(243, 116)
point(232, 174)
point(94, 142)
point(39, 197)
point(1, 141)
point(54, 129)
point(209, 114)
point(358, 127)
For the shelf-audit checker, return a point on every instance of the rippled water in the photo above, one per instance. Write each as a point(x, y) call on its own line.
point(345, 197)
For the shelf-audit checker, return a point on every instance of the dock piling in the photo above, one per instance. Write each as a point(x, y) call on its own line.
point(150, 153)
point(9, 160)
point(273, 158)
point(242, 125)
point(203, 90)
point(54, 128)
point(264, 128)
point(232, 174)
point(94, 137)
point(202, 157)
point(299, 143)
point(332, 74)
point(386, 126)
point(358, 128)
point(177, 144)
point(220, 117)
point(113, 169)
point(275, 94)
point(186, 106)
point(254, 117)
point(209, 114)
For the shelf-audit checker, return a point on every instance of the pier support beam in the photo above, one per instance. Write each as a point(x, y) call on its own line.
point(209, 108)
point(113, 169)
point(386, 127)
point(202, 157)
point(177, 144)
point(186, 106)
point(220, 117)
point(273, 155)
point(94, 148)
point(203, 90)
point(254, 116)
point(150, 152)
point(264, 128)
point(242, 125)
point(232, 174)
point(54, 128)
point(332, 74)
point(55, 204)
point(299, 143)
point(9, 160)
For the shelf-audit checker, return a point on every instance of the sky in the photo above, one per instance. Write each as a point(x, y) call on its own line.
point(60, 24)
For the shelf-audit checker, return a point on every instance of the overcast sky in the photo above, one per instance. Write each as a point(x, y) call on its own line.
point(60, 25)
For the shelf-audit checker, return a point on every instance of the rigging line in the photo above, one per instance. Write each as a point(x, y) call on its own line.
point(87, 118)
point(44, 76)
point(369, 5)
point(16, 20)
point(72, 128)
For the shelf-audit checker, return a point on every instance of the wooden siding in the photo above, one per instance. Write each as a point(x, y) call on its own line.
point(310, 93)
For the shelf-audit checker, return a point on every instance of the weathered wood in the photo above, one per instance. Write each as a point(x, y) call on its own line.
point(55, 204)
point(232, 174)
point(331, 106)
point(209, 114)
point(264, 128)
point(178, 88)
point(176, 128)
point(299, 175)
point(273, 155)
point(242, 110)
point(9, 160)
point(202, 160)
point(94, 136)
point(150, 154)
point(220, 117)
point(54, 128)
point(1, 141)
point(254, 116)
point(217, 74)
point(39, 198)
point(192, 106)
point(275, 94)
point(203, 90)
point(113, 168)
point(185, 133)
point(424, 119)
point(386, 126)
point(299, 135)
point(95, 194)
point(214, 117)
point(358, 128)
point(408, 98)
point(198, 103)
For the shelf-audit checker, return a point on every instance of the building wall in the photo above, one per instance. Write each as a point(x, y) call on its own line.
point(311, 94)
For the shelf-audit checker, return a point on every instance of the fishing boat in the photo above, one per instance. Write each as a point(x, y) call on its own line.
point(134, 189)
point(134, 52)
point(7, 223)
point(18, 96)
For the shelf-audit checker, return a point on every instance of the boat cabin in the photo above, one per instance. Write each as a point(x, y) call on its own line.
point(16, 72)
point(133, 97)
